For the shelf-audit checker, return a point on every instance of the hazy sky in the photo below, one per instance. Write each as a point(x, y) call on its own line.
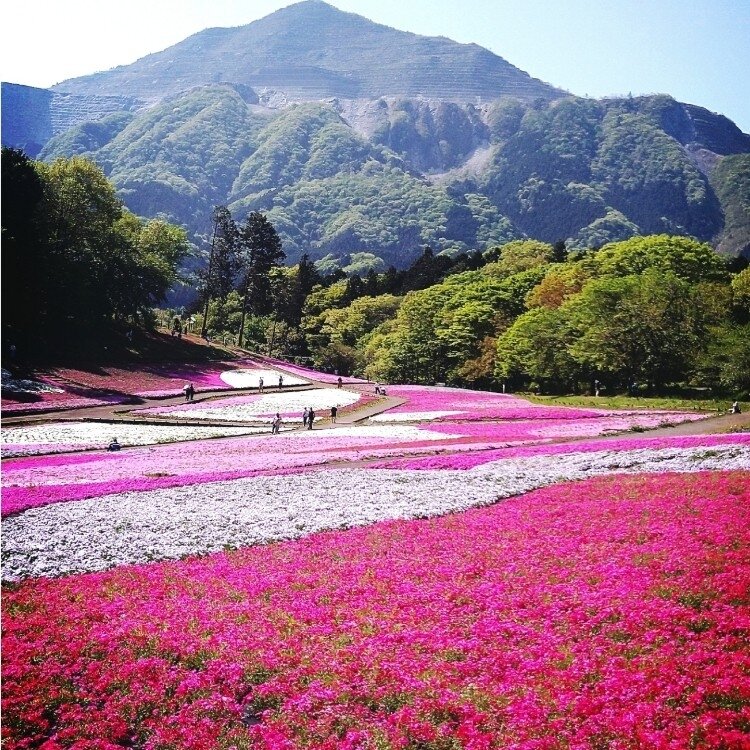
point(696, 50)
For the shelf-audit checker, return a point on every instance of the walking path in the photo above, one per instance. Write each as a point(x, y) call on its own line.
point(130, 412)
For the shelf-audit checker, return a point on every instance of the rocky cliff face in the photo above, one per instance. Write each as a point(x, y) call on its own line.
point(32, 116)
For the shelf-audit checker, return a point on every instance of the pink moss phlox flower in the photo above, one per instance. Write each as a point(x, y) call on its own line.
point(614, 609)
point(470, 460)
point(304, 372)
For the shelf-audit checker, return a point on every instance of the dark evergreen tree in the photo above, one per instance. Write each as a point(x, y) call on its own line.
point(260, 252)
point(355, 288)
point(220, 275)
point(560, 252)
point(372, 285)
point(306, 278)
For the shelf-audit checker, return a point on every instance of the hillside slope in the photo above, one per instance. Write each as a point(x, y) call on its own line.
point(355, 137)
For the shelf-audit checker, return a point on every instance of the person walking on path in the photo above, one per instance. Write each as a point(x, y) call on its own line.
point(281, 382)
point(190, 392)
point(276, 424)
point(340, 382)
point(260, 385)
point(305, 416)
point(310, 419)
point(334, 412)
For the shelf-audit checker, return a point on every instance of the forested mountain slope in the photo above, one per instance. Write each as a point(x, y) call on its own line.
point(392, 141)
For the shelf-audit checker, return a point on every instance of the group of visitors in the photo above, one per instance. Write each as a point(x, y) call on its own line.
point(308, 417)
point(188, 391)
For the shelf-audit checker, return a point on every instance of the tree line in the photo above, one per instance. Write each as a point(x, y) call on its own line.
point(76, 265)
point(646, 312)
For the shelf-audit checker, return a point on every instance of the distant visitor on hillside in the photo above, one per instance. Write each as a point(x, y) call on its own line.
point(189, 391)
point(310, 418)
point(114, 445)
point(340, 382)
point(305, 416)
point(260, 385)
point(334, 412)
point(736, 408)
point(281, 382)
point(177, 328)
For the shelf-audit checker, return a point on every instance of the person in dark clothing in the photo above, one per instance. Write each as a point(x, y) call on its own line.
point(114, 445)
point(310, 419)
point(334, 412)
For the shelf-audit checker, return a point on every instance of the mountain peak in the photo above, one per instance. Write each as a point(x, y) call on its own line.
point(311, 50)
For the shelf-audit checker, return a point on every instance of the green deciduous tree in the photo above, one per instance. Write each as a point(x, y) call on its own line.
point(88, 262)
point(536, 348)
point(687, 258)
point(648, 327)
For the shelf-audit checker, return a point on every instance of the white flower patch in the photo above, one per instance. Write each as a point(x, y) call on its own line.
point(319, 399)
point(396, 433)
point(25, 441)
point(413, 416)
point(250, 378)
point(139, 527)
point(22, 385)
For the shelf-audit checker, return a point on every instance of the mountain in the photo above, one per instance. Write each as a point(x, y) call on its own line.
point(312, 51)
point(357, 138)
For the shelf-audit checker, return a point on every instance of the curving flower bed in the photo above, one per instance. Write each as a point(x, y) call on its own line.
point(250, 377)
point(469, 460)
point(59, 401)
point(608, 613)
point(58, 437)
point(250, 408)
point(33, 482)
point(428, 403)
point(157, 379)
point(132, 527)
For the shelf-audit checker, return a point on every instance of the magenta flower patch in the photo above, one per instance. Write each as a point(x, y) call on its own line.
point(613, 610)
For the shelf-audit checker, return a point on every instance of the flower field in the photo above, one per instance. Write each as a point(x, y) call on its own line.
point(475, 572)
point(305, 372)
point(30, 395)
point(70, 388)
point(249, 408)
point(59, 437)
point(424, 403)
